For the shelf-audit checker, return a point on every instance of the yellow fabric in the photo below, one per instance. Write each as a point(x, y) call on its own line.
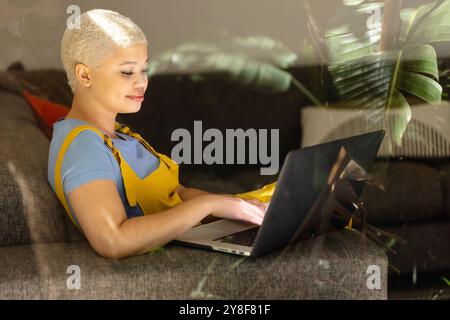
point(263, 194)
point(156, 192)
point(350, 223)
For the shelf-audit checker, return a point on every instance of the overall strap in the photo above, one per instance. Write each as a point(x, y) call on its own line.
point(126, 130)
point(129, 177)
point(165, 159)
point(59, 161)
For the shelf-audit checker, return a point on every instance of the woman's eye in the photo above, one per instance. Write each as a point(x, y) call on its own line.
point(130, 73)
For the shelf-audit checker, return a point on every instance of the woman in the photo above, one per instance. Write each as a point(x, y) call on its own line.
point(123, 195)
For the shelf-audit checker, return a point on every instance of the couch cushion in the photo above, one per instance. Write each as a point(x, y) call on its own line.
point(251, 179)
point(207, 181)
point(444, 170)
point(413, 192)
point(426, 249)
point(50, 84)
point(29, 210)
point(237, 182)
point(329, 267)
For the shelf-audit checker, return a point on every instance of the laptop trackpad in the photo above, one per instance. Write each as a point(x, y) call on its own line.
point(214, 230)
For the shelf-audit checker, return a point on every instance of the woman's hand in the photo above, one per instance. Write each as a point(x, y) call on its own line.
point(262, 205)
point(230, 207)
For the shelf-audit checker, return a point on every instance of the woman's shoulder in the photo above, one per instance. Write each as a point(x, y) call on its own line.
point(62, 128)
point(87, 143)
point(86, 153)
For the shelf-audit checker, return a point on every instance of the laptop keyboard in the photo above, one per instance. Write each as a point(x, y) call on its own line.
point(243, 238)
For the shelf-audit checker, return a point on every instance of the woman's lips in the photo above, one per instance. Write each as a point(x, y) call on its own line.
point(136, 98)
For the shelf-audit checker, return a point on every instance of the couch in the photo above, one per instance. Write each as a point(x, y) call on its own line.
point(39, 247)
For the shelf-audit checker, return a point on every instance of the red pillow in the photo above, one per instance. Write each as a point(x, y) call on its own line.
point(46, 112)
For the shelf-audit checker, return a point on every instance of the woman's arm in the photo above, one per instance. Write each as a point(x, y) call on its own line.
point(102, 217)
point(189, 193)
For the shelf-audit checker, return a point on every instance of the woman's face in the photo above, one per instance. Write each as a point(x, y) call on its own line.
point(120, 81)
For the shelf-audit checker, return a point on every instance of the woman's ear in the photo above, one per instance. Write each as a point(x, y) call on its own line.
point(83, 74)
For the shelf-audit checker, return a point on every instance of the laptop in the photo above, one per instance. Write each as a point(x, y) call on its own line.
point(297, 210)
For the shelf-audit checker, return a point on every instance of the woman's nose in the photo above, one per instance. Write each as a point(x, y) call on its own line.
point(141, 82)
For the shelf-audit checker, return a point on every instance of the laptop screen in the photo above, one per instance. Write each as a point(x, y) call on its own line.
point(304, 203)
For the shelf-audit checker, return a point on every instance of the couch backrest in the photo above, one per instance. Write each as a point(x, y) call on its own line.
point(175, 101)
point(29, 210)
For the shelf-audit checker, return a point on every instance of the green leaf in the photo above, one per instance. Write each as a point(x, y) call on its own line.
point(420, 86)
point(248, 73)
point(421, 59)
point(446, 281)
point(378, 81)
point(364, 78)
point(433, 28)
point(349, 47)
point(368, 79)
point(397, 117)
point(357, 82)
point(391, 243)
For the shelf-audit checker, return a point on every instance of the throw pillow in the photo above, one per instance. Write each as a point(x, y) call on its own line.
point(46, 112)
point(426, 137)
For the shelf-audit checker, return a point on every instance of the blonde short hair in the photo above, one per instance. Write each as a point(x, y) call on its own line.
point(99, 33)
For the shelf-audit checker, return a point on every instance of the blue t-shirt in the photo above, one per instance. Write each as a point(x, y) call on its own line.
point(88, 159)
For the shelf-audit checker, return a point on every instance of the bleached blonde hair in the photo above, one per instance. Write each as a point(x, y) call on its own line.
point(99, 33)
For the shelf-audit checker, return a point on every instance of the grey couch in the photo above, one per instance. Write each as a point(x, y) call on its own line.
point(38, 244)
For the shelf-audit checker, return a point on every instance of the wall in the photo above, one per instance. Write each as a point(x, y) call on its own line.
point(166, 23)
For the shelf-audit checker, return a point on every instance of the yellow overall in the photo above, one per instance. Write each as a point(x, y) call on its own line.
point(154, 193)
